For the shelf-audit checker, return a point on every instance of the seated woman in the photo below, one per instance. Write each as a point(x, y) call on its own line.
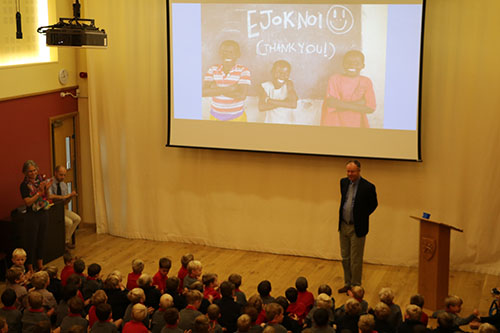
point(34, 193)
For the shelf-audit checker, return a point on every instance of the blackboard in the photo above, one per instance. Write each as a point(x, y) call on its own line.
point(312, 37)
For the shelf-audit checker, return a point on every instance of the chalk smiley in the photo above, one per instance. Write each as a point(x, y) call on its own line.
point(339, 19)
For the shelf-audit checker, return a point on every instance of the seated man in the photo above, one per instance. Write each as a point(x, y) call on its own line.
point(59, 191)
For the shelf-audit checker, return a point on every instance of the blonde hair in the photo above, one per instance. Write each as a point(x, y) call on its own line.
point(118, 275)
point(414, 312)
point(352, 307)
point(52, 270)
point(452, 300)
point(137, 265)
point(324, 301)
point(487, 328)
point(99, 297)
point(358, 292)
point(268, 329)
point(244, 321)
point(386, 295)
point(366, 323)
point(136, 295)
point(19, 252)
point(382, 311)
point(144, 280)
point(40, 279)
point(193, 296)
point(194, 265)
point(166, 301)
point(112, 282)
point(139, 312)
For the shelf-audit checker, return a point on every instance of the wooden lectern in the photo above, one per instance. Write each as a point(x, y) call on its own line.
point(434, 261)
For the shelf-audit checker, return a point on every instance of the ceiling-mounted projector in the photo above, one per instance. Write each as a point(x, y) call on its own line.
point(75, 32)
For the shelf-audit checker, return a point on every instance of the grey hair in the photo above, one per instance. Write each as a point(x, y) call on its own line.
point(27, 164)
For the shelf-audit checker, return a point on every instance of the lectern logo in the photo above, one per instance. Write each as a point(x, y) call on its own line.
point(428, 248)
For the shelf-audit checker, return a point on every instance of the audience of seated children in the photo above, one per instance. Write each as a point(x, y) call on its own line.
point(99, 297)
point(173, 290)
point(321, 322)
point(171, 317)
point(15, 281)
point(205, 303)
point(158, 318)
point(256, 302)
point(183, 271)
point(137, 268)
point(381, 312)
point(358, 293)
point(326, 289)
point(453, 306)
point(55, 286)
point(413, 314)
point(277, 97)
point(152, 294)
point(323, 301)
point(139, 314)
point(419, 300)
point(201, 324)
point(274, 317)
point(4, 327)
point(35, 313)
point(211, 284)
point(194, 269)
point(160, 278)
point(229, 309)
point(253, 315)
point(386, 295)
point(264, 290)
point(347, 318)
point(290, 322)
point(104, 322)
point(9, 311)
point(74, 317)
point(93, 281)
point(305, 297)
point(366, 324)
point(40, 281)
point(296, 309)
point(135, 296)
point(68, 269)
point(240, 295)
point(117, 296)
point(190, 312)
point(79, 267)
point(68, 291)
point(213, 315)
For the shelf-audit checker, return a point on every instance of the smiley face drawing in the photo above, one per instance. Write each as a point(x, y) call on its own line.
point(339, 19)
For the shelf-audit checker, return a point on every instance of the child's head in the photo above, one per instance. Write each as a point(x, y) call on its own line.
point(194, 297)
point(137, 266)
point(172, 283)
point(79, 266)
point(19, 257)
point(136, 295)
point(196, 285)
point(268, 329)
point(213, 312)
point(139, 312)
point(252, 312)
point(324, 301)
point(68, 291)
point(164, 266)
point(301, 284)
point(357, 292)
point(145, 280)
point(325, 289)
point(112, 282)
point(68, 259)
point(291, 294)
point(40, 280)
point(75, 305)
point(103, 312)
point(281, 72)
point(320, 317)
point(417, 300)
point(274, 313)
point(353, 62)
point(14, 275)
point(281, 300)
point(366, 323)
point(244, 322)
point(94, 270)
point(229, 51)
point(201, 324)
point(99, 297)
point(35, 300)
point(487, 328)
point(74, 279)
point(256, 302)
point(194, 269)
point(382, 311)
point(4, 328)
point(413, 312)
point(171, 316)
point(264, 288)
point(118, 275)
point(226, 289)
point(352, 307)
point(51, 270)
point(9, 297)
point(453, 304)
point(185, 259)
point(209, 280)
point(235, 279)
point(386, 295)
point(166, 301)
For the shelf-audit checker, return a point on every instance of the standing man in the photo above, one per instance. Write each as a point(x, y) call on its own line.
point(359, 200)
point(59, 191)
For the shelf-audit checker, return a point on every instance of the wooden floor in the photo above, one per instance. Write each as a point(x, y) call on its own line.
point(115, 253)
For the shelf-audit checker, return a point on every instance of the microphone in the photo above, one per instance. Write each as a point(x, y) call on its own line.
point(19, 32)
